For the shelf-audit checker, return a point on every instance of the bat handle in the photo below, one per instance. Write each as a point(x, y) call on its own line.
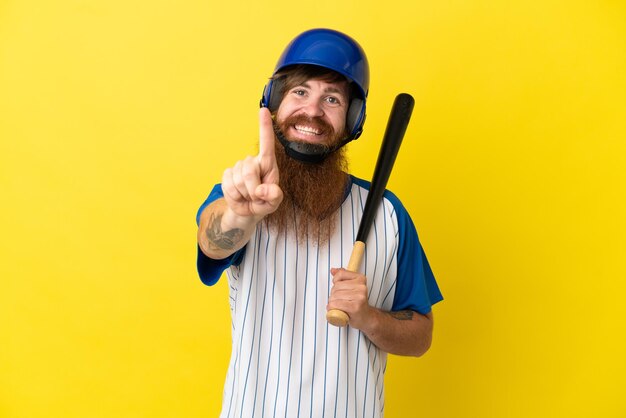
point(337, 317)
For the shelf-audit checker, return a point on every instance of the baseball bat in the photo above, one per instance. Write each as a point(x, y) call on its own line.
point(394, 133)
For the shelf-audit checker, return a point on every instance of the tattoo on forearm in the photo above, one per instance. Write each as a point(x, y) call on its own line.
point(402, 315)
point(222, 240)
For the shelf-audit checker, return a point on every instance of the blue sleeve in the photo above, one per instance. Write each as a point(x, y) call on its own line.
point(416, 287)
point(211, 270)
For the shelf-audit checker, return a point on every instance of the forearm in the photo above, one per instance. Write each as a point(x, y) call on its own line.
point(221, 232)
point(405, 333)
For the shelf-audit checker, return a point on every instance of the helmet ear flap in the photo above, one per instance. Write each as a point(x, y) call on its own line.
point(273, 94)
point(355, 117)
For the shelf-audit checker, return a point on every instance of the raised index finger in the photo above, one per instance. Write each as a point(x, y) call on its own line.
point(266, 137)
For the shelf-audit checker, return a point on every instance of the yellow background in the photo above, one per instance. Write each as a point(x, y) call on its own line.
point(116, 118)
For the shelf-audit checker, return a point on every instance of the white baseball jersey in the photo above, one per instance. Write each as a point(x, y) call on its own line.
point(287, 361)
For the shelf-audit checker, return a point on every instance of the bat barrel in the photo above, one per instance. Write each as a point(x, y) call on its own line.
point(394, 133)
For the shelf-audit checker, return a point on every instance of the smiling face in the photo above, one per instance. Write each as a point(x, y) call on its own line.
point(314, 111)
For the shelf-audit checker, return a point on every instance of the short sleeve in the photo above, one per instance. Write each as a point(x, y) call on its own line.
point(416, 287)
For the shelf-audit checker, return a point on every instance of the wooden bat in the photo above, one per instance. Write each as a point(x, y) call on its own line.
point(394, 133)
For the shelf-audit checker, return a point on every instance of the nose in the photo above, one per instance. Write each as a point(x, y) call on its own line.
point(313, 108)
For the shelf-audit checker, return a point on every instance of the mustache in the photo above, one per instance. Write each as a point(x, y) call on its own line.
point(300, 146)
point(315, 122)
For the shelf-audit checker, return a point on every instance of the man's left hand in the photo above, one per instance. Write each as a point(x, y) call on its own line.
point(349, 294)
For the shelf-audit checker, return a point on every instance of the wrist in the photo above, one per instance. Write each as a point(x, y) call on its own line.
point(232, 220)
point(372, 323)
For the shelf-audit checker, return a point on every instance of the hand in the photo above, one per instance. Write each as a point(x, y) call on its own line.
point(251, 186)
point(349, 294)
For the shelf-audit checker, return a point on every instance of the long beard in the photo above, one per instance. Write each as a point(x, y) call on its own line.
point(312, 195)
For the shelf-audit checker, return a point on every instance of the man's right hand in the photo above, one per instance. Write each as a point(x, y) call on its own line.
point(251, 186)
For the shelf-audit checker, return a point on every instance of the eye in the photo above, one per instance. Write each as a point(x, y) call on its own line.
point(333, 100)
point(299, 92)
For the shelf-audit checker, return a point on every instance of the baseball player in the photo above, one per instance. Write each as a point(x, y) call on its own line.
point(282, 225)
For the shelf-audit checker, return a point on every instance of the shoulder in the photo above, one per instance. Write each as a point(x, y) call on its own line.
point(389, 196)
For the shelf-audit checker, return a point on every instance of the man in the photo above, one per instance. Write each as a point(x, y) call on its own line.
point(283, 224)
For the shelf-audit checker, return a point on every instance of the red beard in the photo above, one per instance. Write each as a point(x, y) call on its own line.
point(312, 192)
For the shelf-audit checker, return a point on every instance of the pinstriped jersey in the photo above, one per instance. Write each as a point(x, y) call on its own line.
point(287, 361)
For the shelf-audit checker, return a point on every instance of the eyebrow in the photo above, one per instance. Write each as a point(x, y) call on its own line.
point(329, 89)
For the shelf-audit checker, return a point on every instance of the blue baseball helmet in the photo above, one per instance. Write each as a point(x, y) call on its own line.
point(332, 50)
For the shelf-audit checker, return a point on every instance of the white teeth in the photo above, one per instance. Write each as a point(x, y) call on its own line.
point(307, 130)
